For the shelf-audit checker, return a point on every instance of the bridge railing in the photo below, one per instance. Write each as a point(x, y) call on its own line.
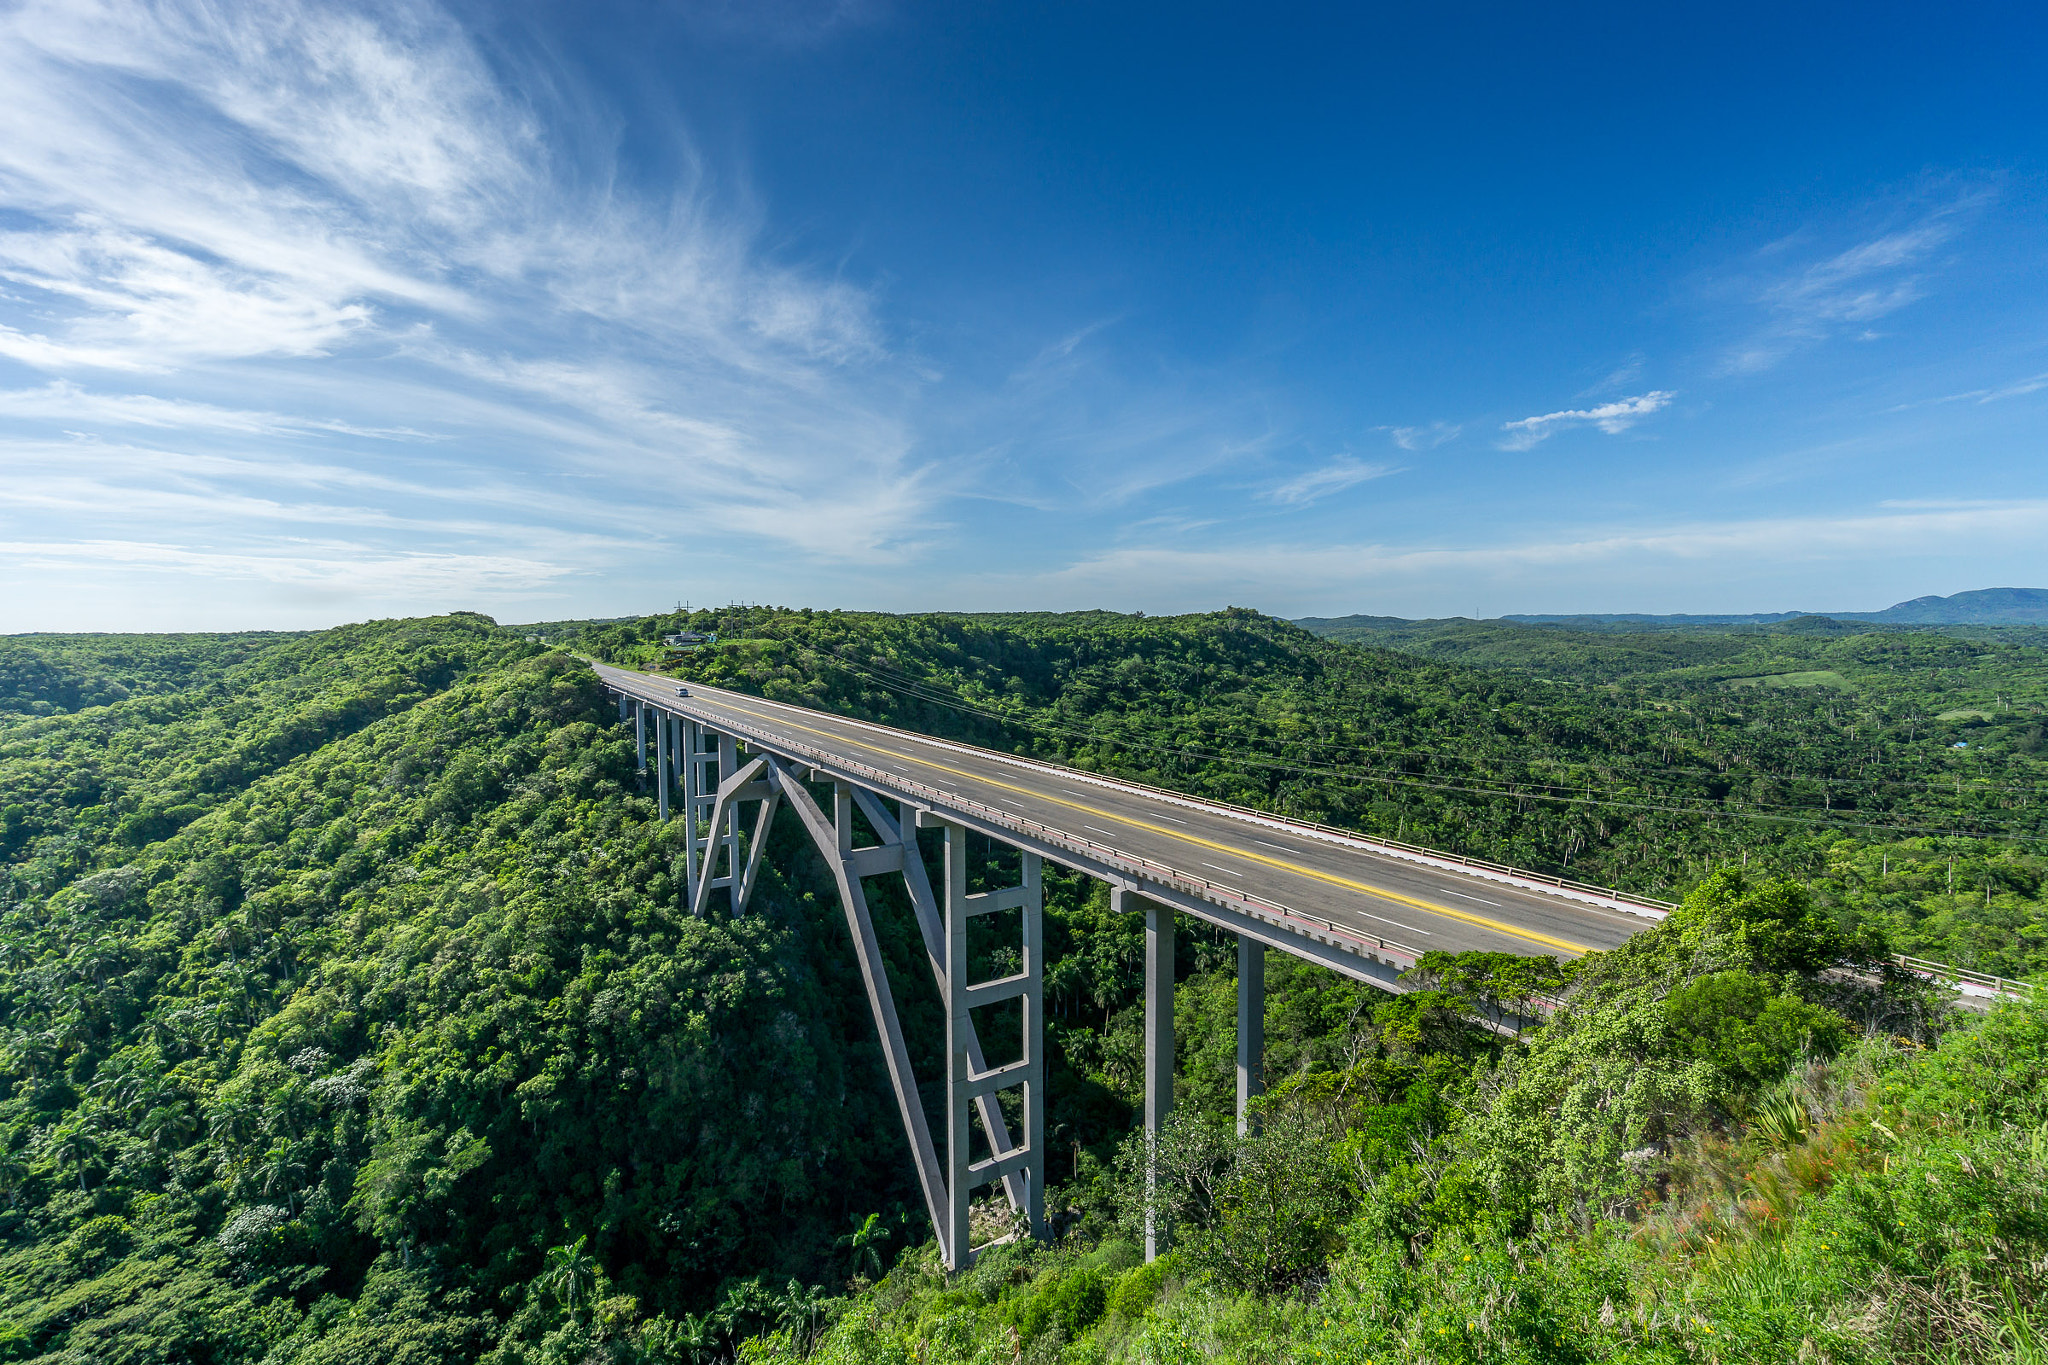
point(1351, 836)
point(1959, 976)
point(1259, 907)
point(1517, 875)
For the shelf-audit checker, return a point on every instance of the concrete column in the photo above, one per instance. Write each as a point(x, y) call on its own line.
point(661, 764)
point(960, 1063)
point(1034, 1044)
point(1158, 1053)
point(1251, 1027)
point(640, 736)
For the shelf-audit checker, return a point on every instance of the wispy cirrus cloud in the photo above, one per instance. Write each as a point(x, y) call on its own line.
point(1424, 438)
point(1316, 484)
point(1845, 290)
point(2018, 388)
point(63, 402)
point(348, 208)
point(1612, 418)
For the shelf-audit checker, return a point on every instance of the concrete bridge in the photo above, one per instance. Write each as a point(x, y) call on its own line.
point(1363, 907)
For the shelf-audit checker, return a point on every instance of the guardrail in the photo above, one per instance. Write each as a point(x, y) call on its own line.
point(1941, 971)
point(1353, 836)
point(1398, 847)
point(1259, 907)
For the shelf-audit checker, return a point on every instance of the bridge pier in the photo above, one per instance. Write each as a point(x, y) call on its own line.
point(1251, 1027)
point(711, 820)
point(661, 761)
point(969, 1078)
point(1158, 1051)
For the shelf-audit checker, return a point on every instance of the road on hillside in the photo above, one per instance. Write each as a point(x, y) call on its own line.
point(1421, 905)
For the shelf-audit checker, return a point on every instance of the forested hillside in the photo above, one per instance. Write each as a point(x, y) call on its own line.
point(347, 1014)
point(46, 675)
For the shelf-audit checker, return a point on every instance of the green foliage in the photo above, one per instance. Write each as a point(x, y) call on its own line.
point(1739, 1025)
point(1883, 1226)
point(414, 991)
point(347, 1012)
point(1773, 926)
point(45, 675)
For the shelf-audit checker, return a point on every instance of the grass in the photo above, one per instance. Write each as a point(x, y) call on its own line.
point(1819, 677)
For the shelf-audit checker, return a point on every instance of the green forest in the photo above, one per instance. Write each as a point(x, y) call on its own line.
point(348, 1012)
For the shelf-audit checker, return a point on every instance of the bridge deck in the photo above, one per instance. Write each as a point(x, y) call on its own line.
point(1286, 873)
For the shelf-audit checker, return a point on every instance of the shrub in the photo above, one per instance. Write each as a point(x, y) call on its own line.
point(1746, 1030)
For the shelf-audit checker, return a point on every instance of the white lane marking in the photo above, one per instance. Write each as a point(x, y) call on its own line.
point(1370, 853)
point(1232, 870)
point(1008, 802)
point(1157, 816)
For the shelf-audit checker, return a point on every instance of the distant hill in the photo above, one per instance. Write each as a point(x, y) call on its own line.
point(1985, 606)
point(1982, 607)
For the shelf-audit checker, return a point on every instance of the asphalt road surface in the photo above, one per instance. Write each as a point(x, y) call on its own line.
point(1417, 904)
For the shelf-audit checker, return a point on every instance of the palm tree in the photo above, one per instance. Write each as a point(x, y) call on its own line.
point(865, 1241)
point(798, 1307)
point(75, 1147)
point(569, 1275)
point(167, 1125)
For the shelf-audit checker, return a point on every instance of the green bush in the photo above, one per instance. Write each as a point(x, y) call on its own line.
point(1741, 1026)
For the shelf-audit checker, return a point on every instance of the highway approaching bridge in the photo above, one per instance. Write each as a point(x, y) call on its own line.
point(1366, 908)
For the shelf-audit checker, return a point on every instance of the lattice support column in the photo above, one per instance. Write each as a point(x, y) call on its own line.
point(753, 781)
point(969, 1079)
point(708, 760)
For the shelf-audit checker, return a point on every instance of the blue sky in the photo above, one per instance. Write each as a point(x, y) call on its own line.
point(311, 312)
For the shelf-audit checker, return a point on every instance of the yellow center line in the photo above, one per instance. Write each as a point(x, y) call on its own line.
point(1283, 865)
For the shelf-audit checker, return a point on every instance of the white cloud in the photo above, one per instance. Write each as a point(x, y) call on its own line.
point(337, 569)
point(1315, 484)
point(65, 402)
point(1424, 438)
point(1844, 291)
point(348, 204)
point(1612, 418)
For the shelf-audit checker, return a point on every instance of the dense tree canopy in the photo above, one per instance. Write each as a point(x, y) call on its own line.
point(348, 1012)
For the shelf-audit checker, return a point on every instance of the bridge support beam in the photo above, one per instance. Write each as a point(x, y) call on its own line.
point(1158, 1052)
point(662, 740)
point(754, 782)
point(639, 734)
point(834, 838)
point(970, 1082)
point(1251, 1027)
point(712, 827)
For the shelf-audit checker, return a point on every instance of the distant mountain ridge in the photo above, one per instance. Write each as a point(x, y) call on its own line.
point(1981, 607)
